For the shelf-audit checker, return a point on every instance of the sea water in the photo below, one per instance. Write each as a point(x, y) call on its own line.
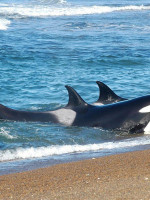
point(47, 44)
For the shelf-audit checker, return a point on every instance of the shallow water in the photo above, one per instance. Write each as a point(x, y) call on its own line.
point(46, 44)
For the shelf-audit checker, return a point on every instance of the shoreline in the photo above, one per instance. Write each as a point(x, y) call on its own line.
point(120, 176)
point(23, 165)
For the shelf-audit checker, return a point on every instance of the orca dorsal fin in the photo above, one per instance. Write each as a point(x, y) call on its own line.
point(74, 98)
point(107, 95)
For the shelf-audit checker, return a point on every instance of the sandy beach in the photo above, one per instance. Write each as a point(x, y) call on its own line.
point(120, 177)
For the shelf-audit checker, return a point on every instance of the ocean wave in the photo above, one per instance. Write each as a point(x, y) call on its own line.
point(26, 153)
point(47, 11)
point(50, 2)
point(5, 133)
point(4, 24)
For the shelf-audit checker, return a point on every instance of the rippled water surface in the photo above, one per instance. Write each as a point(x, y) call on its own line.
point(47, 44)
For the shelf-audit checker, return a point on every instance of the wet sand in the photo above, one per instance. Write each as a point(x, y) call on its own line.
point(119, 177)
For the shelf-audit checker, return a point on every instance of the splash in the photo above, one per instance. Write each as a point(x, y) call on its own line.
point(4, 24)
point(5, 133)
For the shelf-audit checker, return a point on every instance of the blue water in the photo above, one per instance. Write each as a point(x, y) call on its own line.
point(46, 44)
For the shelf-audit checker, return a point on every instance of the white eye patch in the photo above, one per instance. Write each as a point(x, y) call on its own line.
point(145, 109)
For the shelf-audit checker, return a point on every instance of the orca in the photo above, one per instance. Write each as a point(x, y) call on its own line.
point(132, 116)
point(106, 95)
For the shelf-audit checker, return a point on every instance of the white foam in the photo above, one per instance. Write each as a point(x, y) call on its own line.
point(145, 109)
point(22, 153)
point(4, 24)
point(45, 11)
point(51, 1)
point(5, 133)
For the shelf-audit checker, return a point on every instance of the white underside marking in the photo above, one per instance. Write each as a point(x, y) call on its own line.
point(147, 129)
point(145, 109)
point(65, 116)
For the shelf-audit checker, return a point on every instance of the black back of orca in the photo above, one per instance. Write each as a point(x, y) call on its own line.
point(17, 115)
point(113, 117)
point(124, 115)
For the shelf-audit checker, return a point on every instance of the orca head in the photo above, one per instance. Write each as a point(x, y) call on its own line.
point(106, 95)
point(145, 110)
point(141, 120)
